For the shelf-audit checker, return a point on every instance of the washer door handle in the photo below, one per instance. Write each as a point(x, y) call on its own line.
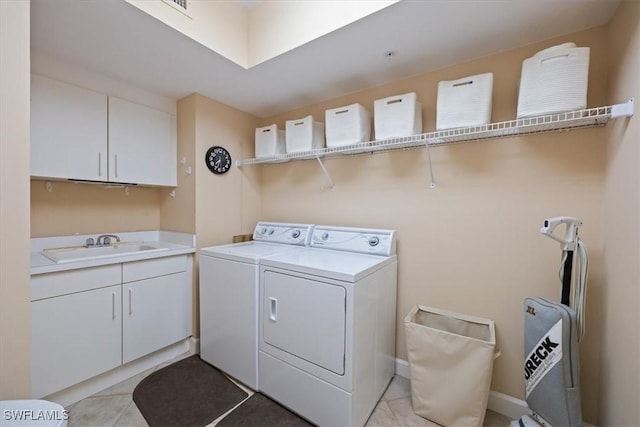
point(273, 309)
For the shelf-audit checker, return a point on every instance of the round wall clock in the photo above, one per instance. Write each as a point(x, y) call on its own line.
point(218, 160)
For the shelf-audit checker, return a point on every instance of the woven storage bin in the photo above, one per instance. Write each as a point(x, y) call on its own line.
point(303, 135)
point(347, 125)
point(554, 80)
point(397, 116)
point(451, 362)
point(464, 102)
point(269, 141)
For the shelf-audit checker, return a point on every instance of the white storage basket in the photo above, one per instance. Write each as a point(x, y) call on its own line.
point(464, 102)
point(397, 116)
point(304, 134)
point(269, 141)
point(554, 80)
point(347, 125)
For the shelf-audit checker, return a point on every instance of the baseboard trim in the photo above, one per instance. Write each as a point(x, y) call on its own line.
point(194, 345)
point(506, 405)
point(402, 368)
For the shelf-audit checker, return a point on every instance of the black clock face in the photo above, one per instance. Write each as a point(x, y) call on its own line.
point(218, 160)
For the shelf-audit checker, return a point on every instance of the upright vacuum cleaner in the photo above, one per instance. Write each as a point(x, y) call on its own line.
point(551, 335)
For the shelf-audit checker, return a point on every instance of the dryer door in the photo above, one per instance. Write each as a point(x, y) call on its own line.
point(305, 318)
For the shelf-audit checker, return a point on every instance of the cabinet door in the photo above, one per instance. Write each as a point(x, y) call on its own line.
point(68, 131)
point(154, 314)
point(142, 145)
point(74, 337)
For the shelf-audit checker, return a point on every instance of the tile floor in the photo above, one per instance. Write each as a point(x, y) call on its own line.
point(114, 407)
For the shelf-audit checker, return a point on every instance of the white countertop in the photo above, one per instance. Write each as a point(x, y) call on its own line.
point(171, 243)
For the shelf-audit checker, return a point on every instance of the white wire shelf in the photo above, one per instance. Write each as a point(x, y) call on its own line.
point(592, 117)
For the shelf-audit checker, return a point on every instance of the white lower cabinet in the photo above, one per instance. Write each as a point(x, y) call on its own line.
point(155, 309)
point(86, 322)
point(75, 337)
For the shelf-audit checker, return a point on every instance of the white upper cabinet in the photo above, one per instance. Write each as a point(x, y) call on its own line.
point(80, 134)
point(68, 131)
point(142, 148)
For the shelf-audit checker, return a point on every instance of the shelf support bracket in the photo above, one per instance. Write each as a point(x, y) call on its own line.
point(326, 174)
point(622, 110)
point(432, 184)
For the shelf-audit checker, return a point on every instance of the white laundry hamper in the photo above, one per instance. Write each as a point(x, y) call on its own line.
point(451, 363)
point(554, 80)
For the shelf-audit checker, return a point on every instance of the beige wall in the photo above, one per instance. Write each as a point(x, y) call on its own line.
point(178, 213)
point(620, 375)
point(15, 292)
point(472, 244)
point(226, 204)
point(84, 209)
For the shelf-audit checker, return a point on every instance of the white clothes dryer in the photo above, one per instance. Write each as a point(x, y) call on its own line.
point(229, 297)
point(327, 324)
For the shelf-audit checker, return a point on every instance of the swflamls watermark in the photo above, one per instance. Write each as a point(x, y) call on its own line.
point(31, 415)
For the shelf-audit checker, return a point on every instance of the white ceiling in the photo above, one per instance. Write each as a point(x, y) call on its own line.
point(117, 40)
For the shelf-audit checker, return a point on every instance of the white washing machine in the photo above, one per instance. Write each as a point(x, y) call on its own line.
point(229, 297)
point(327, 324)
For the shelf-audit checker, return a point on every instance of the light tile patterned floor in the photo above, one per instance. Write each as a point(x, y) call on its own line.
point(114, 407)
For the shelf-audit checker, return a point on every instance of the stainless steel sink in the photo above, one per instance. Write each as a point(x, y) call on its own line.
point(82, 253)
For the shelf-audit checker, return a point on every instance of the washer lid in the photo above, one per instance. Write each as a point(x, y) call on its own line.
point(250, 252)
point(338, 265)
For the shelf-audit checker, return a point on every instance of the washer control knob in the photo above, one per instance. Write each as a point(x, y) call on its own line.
point(295, 234)
point(324, 236)
point(271, 231)
point(263, 230)
point(374, 240)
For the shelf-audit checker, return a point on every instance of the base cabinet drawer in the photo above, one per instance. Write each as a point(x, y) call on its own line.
point(75, 337)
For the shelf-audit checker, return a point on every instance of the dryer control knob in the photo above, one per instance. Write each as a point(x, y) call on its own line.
point(324, 236)
point(295, 234)
point(373, 241)
point(271, 231)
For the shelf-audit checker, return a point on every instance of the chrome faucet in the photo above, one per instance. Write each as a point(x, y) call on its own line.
point(105, 239)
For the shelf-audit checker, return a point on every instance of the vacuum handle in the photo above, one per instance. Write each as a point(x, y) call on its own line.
point(566, 279)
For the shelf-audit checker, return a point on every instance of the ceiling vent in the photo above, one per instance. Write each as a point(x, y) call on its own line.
point(182, 6)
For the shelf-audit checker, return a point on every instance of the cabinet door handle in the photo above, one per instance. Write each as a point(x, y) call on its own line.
point(113, 305)
point(99, 163)
point(116, 165)
point(130, 302)
point(273, 309)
